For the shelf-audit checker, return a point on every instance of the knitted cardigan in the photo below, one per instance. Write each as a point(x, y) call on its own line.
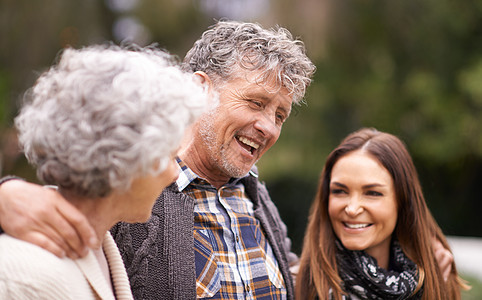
point(30, 272)
point(159, 254)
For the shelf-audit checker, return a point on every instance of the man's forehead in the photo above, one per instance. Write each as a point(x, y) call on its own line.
point(264, 78)
point(267, 93)
point(253, 83)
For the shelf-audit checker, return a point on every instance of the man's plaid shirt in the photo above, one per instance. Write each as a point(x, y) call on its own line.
point(233, 258)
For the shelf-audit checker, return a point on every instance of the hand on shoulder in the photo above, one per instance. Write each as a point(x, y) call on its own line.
point(41, 216)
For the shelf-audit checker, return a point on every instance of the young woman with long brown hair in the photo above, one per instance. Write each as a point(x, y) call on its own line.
point(370, 233)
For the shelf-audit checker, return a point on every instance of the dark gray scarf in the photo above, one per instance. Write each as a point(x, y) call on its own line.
point(364, 279)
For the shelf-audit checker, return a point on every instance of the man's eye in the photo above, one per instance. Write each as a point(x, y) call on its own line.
point(280, 117)
point(256, 103)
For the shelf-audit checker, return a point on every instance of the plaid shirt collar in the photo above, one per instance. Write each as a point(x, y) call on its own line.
point(187, 176)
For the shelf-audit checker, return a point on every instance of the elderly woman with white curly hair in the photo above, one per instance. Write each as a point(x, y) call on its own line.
point(103, 126)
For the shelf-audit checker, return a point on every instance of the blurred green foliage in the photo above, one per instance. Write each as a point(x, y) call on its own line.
point(475, 293)
point(412, 68)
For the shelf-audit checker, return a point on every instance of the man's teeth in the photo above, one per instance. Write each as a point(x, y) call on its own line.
point(356, 226)
point(248, 142)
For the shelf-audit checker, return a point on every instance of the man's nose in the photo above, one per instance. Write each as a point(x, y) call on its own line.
point(266, 125)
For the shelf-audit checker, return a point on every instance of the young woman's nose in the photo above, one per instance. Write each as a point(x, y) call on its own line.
point(354, 207)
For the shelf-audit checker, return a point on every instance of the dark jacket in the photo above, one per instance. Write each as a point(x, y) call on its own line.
point(159, 254)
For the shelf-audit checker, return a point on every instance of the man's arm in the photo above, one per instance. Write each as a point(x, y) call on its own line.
point(444, 258)
point(43, 217)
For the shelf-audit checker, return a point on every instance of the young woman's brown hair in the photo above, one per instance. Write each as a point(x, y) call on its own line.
point(319, 277)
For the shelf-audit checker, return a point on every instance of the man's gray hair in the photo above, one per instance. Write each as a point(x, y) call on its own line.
point(105, 115)
point(273, 52)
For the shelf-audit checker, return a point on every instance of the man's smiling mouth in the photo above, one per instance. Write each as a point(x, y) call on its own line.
point(248, 144)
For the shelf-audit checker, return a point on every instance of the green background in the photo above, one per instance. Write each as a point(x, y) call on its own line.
point(412, 68)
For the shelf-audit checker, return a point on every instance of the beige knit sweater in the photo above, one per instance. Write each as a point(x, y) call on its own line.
point(30, 272)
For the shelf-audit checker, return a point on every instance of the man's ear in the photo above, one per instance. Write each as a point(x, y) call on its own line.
point(204, 79)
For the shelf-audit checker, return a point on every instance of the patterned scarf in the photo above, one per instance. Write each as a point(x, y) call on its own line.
point(364, 279)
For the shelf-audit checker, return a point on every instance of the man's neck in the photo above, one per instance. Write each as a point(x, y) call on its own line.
point(201, 167)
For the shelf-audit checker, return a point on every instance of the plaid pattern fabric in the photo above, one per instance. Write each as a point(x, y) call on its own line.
point(233, 258)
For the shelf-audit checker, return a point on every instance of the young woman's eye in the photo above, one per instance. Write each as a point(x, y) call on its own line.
point(374, 194)
point(337, 191)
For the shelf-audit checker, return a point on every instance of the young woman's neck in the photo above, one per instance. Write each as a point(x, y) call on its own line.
point(382, 257)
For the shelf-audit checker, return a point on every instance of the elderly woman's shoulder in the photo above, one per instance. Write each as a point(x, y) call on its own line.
point(27, 270)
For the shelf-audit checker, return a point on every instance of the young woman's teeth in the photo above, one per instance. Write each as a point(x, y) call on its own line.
point(356, 226)
point(248, 142)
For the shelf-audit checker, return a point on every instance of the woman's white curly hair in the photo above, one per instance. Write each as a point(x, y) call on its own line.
point(105, 115)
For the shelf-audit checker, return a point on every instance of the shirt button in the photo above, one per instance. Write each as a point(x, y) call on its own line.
point(247, 288)
point(237, 238)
